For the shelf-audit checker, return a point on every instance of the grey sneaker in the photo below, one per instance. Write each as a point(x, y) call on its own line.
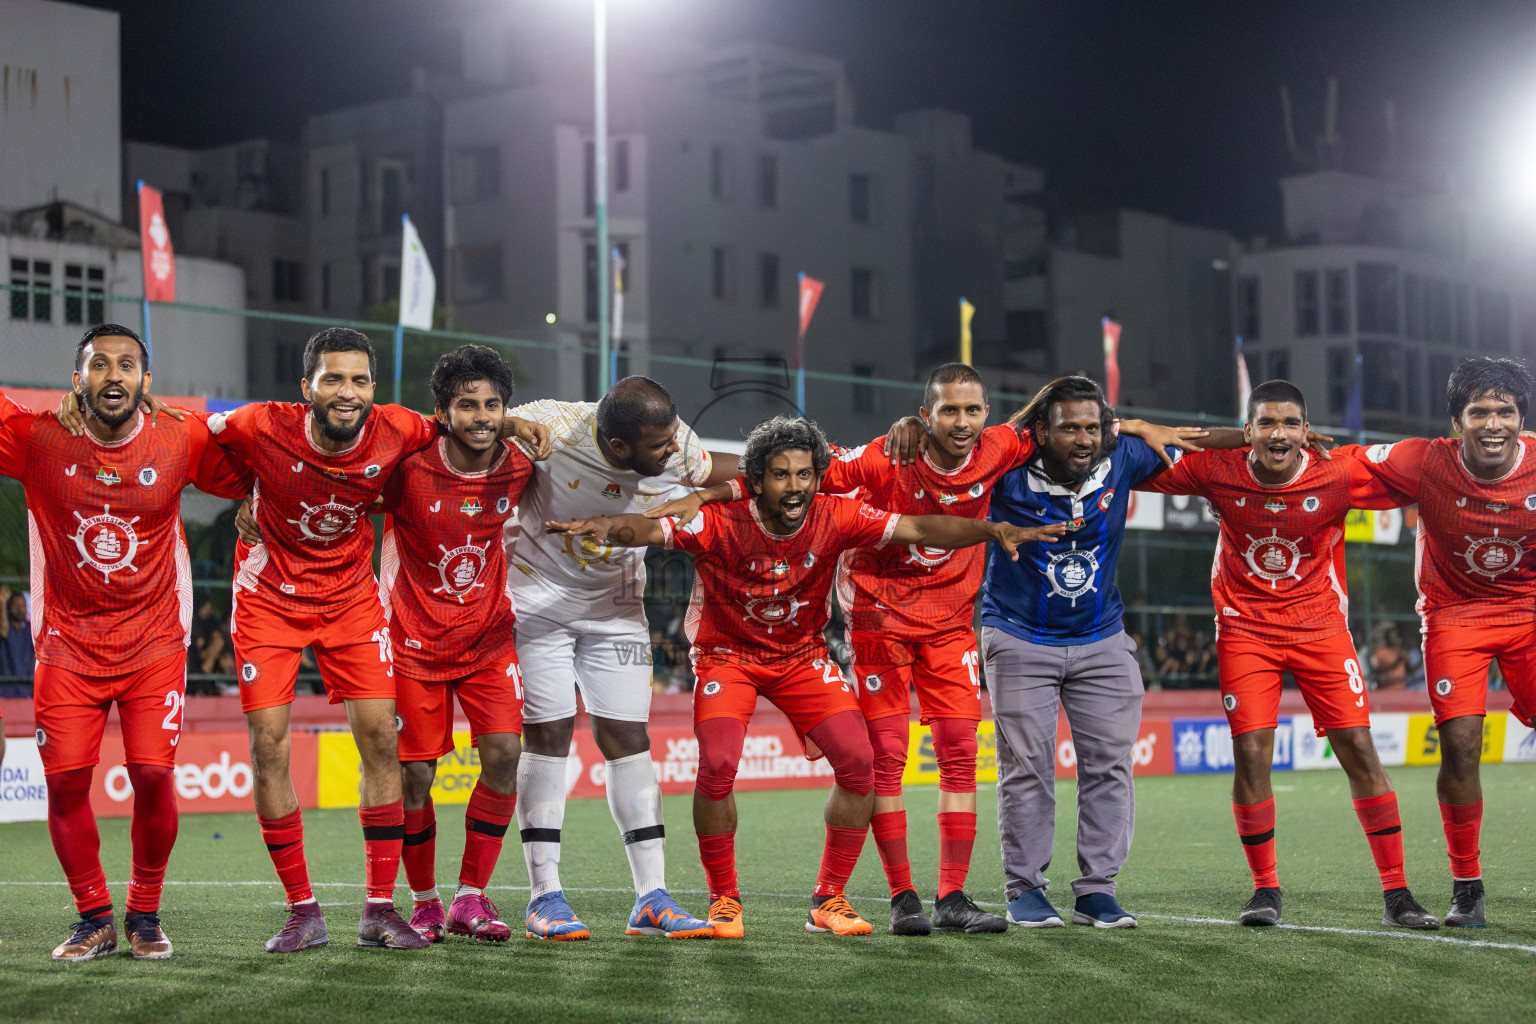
point(956, 913)
point(382, 925)
point(304, 929)
point(1468, 906)
point(907, 917)
point(1263, 908)
point(1403, 911)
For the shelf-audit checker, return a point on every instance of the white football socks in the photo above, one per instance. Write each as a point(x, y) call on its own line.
point(540, 813)
point(635, 801)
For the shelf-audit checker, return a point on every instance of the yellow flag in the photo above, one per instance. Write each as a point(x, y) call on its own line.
point(966, 312)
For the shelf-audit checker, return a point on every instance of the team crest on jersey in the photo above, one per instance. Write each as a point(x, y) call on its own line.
point(503, 505)
point(148, 476)
point(339, 474)
point(977, 490)
point(372, 470)
point(1445, 686)
point(1496, 506)
point(710, 688)
point(775, 611)
point(1493, 556)
point(107, 543)
point(1072, 573)
point(1311, 503)
point(1229, 701)
point(1073, 525)
point(1530, 502)
point(1275, 505)
point(460, 568)
point(927, 557)
point(809, 559)
point(644, 498)
point(873, 683)
point(587, 551)
point(471, 507)
point(612, 491)
point(1273, 558)
point(249, 672)
point(947, 499)
point(1106, 499)
point(108, 475)
point(327, 521)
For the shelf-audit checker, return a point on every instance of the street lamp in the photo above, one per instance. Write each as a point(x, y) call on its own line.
point(600, 187)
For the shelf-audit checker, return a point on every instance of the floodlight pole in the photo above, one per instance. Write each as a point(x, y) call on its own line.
point(604, 269)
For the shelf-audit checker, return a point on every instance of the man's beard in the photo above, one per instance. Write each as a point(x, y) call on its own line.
point(341, 435)
point(112, 420)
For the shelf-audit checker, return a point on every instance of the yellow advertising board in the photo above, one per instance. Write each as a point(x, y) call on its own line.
point(923, 766)
point(1424, 739)
point(341, 774)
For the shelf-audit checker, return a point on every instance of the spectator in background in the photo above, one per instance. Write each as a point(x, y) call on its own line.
point(16, 653)
point(1389, 658)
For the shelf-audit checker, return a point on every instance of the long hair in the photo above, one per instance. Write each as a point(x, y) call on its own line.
point(1067, 389)
point(784, 434)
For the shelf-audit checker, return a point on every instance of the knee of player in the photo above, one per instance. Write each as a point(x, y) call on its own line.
point(498, 765)
point(620, 739)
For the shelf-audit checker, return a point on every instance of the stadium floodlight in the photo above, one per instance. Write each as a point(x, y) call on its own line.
point(549, 318)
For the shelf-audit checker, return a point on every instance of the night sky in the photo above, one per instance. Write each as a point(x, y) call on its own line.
point(1167, 107)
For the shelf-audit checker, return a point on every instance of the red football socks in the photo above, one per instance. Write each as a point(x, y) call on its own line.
point(285, 844)
point(890, 829)
point(485, 825)
point(718, 852)
point(1384, 831)
point(419, 848)
point(383, 835)
point(154, 833)
point(1256, 828)
point(1463, 824)
point(72, 827)
point(957, 834)
point(838, 858)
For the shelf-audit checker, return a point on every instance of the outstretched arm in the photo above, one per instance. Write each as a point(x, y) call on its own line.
point(628, 531)
point(953, 532)
point(535, 436)
point(1223, 438)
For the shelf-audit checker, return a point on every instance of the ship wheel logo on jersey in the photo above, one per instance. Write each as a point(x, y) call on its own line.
point(327, 521)
point(774, 611)
point(460, 568)
point(107, 542)
point(587, 551)
point(1493, 556)
point(927, 557)
point(1072, 573)
point(1273, 558)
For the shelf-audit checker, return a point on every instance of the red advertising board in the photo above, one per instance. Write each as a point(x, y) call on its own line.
point(213, 773)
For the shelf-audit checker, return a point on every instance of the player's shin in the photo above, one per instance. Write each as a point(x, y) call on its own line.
point(888, 736)
point(383, 837)
point(153, 833)
point(284, 837)
point(845, 740)
point(954, 744)
point(1463, 824)
point(72, 827)
point(419, 852)
point(1384, 831)
point(634, 799)
point(486, 821)
point(1256, 829)
point(540, 814)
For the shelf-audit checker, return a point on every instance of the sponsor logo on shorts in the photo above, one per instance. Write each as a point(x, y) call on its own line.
point(399, 724)
point(148, 476)
point(1445, 686)
point(503, 504)
point(1311, 503)
point(1106, 499)
point(372, 470)
point(873, 683)
point(1229, 701)
point(42, 738)
point(249, 672)
point(710, 688)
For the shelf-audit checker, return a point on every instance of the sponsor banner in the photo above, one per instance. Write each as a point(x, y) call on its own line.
point(1519, 741)
point(213, 773)
point(1152, 755)
point(1204, 745)
point(1424, 738)
point(1144, 511)
point(1187, 513)
point(23, 793)
point(1389, 732)
point(1380, 527)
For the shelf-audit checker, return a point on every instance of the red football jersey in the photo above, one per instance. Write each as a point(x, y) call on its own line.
point(762, 598)
point(1278, 574)
point(111, 579)
point(312, 505)
point(1470, 558)
point(442, 570)
point(915, 592)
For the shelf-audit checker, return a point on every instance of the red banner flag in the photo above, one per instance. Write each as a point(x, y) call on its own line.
point(1112, 361)
point(810, 294)
point(155, 242)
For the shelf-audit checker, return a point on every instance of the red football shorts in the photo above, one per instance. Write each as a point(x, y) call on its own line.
point(944, 670)
point(1327, 671)
point(350, 640)
point(1456, 668)
point(808, 693)
point(492, 699)
point(71, 714)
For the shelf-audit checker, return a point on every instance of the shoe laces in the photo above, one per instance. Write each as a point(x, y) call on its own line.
point(83, 930)
point(144, 926)
point(725, 906)
point(838, 905)
point(1465, 901)
point(480, 906)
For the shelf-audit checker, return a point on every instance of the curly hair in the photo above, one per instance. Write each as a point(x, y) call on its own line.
point(1067, 389)
point(784, 434)
point(1483, 377)
point(337, 339)
point(469, 364)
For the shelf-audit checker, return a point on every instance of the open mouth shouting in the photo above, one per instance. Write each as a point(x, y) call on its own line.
point(792, 508)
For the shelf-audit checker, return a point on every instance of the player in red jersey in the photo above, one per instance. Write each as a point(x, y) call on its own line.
point(1278, 584)
point(111, 615)
point(319, 467)
point(1477, 591)
point(909, 613)
point(763, 574)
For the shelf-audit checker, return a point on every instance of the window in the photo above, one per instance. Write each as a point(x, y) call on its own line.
point(1278, 365)
point(477, 273)
point(864, 294)
point(768, 278)
point(589, 180)
point(21, 286)
point(1381, 373)
point(475, 174)
point(722, 274)
point(392, 179)
point(1308, 319)
point(390, 271)
point(365, 275)
point(325, 191)
point(1248, 308)
point(719, 173)
point(767, 181)
point(325, 286)
point(1376, 288)
point(290, 361)
point(287, 281)
point(1495, 324)
point(95, 295)
point(863, 394)
point(74, 293)
point(621, 165)
point(861, 199)
point(1413, 383)
point(1341, 377)
point(589, 278)
point(1439, 313)
point(1336, 284)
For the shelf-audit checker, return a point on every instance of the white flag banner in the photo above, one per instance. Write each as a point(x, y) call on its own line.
point(1244, 387)
point(617, 329)
point(418, 286)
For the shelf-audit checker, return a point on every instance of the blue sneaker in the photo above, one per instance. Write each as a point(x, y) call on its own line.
point(657, 913)
point(550, 917)
point(1102, 911)
point(1031, 909)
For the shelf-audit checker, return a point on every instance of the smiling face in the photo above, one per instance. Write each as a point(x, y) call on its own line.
point(1277, 432)
point(1071, 440)
point(651, 450)
point(957, 418)
point(785, 491)
point(1490, 426)
point(474, 419)
point(111, 380)
point(340, 394)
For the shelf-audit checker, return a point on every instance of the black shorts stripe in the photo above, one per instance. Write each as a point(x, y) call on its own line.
point(385, 832)
point(486, 828)
point(1390, 830)
point(274, 847)
point(426, 835)
point(1258, 838)
point(640, 835)
point(541, 835)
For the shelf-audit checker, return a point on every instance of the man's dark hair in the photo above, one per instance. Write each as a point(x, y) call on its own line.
point(466, 365)
point(337, 339)
point(951, 373)
point(1277, 391)
point(1067, 389)
point(108, 331)
point(1481, 377)
point(631, 404)
point(784, 434)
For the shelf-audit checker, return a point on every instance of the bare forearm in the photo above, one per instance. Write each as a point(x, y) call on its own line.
point(947, 532)
point(1221, 438)
point(724, 467)
point(633, 531)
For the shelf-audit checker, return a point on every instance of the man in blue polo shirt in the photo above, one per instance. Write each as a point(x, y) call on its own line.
point(1052, 636)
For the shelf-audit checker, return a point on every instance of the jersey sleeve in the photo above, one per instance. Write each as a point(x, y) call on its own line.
point(417, 431)
point(1139, 459)
point(239, 430)
point(1366, 489)
point(1189, 474)
point(864, 526)
point(852, 468)
point(692, 456)
point(1014, 448)
point(557, 416)
point(1398, 465)
point(15, 423)
point(697, 537)
point(215, 470)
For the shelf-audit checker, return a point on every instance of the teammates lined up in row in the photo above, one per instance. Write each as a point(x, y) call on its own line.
point(1052, 486)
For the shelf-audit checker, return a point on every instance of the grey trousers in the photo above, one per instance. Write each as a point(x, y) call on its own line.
point(1099, 685)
